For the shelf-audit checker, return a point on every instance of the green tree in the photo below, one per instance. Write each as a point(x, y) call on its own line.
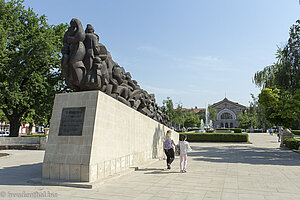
point(29, 63)
point(168, 108)
point(191, 119)
point(254, 115)
point(285, 73)
point(244, 120)
point(179, 117)
point(282, 108)
point(212, 113)
point(3, 117)
point(281, 83)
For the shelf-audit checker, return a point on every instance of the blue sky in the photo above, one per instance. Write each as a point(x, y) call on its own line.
point(193, 51)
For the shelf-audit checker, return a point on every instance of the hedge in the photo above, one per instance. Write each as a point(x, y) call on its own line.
point(292, 143)
point(193, 129)
point(236, 130)
point(216, 137)
point(258, 131)
point(296, 132)
point(35, 135)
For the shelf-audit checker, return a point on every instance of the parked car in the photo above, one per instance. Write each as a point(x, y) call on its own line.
point(4, 133)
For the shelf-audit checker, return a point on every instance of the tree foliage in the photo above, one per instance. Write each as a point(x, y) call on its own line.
point(282, 108)
point(281, 83)
point(29, 63)
point(3, 117)
point(191, 119)
point(168, 108)
point(212, 113)
point(254, 115)
point(180, 118)
point(284, 74)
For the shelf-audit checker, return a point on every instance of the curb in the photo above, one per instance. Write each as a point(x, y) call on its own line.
point(90, 185)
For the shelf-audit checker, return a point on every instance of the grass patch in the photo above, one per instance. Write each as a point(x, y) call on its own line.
point(216, 137)
point(296, 132)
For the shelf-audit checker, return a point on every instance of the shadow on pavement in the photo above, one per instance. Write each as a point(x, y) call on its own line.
point(245, 154)
point(156, 171)
point(3, 154)
point(150, 169)
point(162, 172)
point(19, 175)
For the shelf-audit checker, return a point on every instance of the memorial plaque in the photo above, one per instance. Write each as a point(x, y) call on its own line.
point(71, 122)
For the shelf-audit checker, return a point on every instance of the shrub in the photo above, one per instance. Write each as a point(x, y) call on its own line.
point(292, 143)
point(236, 130)
point(296, 132)
point(193, 129)
point(258, 131)
point(216, 137)
point(36, 135)
point(178, 131)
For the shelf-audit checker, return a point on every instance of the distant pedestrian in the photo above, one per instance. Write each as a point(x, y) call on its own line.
point(271, 131)
point(184, 148)
point(279, 133)
point(169, 145)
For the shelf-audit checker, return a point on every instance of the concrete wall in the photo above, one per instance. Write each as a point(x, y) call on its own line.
point(15, 141)
point(114, 138)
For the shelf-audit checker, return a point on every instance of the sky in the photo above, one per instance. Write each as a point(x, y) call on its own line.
point(194, 51)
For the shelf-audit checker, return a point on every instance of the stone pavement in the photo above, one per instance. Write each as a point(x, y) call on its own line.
point(260, 170)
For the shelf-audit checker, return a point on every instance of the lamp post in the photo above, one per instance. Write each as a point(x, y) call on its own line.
point(183, 120)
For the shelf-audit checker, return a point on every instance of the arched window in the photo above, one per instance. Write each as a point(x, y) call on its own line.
point(222, 125)
point(231, 125)
point(226, 116)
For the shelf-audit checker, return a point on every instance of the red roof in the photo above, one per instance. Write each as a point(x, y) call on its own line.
point(231, 102)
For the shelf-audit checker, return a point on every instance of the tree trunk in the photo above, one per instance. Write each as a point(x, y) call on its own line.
point(14, 121)
point(30, 128)
point(14, 128)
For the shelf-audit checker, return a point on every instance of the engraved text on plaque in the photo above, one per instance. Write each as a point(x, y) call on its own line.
point(71, 122)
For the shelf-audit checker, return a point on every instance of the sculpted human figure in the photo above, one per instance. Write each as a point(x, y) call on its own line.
point(65, 50)
point(103, 55)
point(77, 52)
point(122, 89)
point(87, 65)
point(91, 48)
point(112, 85)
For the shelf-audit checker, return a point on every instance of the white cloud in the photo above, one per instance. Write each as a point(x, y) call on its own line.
point(210, 63)
point(196, 64)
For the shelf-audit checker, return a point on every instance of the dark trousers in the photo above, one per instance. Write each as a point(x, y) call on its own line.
point(170, 155)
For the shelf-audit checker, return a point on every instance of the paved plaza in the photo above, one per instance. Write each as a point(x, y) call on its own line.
point(260, 170)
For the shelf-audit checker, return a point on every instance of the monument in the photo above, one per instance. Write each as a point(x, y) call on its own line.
point(108, 124)
point(87, 65)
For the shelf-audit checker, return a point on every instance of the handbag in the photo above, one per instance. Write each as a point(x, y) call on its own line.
point(177, 150)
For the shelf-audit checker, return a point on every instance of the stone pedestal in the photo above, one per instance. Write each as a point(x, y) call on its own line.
point(98, 136)
point(286, 134)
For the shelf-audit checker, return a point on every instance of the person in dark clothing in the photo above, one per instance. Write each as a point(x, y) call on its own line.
point(169, 145)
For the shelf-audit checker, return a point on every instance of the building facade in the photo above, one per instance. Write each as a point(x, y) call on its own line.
point(24, 128)
point(228, 113)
